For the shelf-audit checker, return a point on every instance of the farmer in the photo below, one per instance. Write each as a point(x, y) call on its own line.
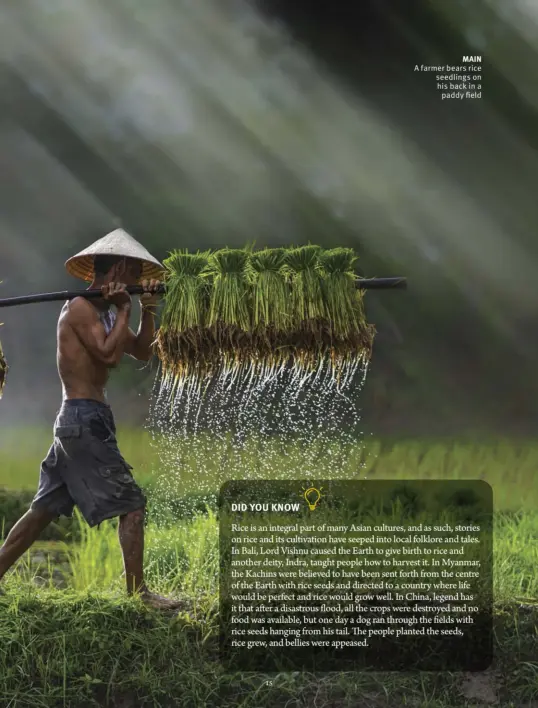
point(84, 466)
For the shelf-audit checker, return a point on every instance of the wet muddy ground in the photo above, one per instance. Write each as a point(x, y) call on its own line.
point(46, 562)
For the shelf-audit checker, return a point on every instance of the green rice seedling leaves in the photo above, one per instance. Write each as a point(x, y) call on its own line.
point(230, 296)
point(264, 309)
point(344, 308)
point(305, 277)
point(271, 312)
point(309, 313)
point(3, 370)
point(270, 298)
point(181, 338)
point(3, 367)
point(187, 293)
point(349, 333)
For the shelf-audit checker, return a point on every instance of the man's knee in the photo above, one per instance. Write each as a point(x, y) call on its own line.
point(135, 517)
point(42, 515)
point(32, 523)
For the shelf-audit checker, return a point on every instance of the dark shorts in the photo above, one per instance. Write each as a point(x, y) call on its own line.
point(84, 466)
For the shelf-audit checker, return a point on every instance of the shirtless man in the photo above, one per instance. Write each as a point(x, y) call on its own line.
point(84, 466)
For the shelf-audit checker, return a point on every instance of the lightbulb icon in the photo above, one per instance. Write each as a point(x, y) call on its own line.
point(312, 496)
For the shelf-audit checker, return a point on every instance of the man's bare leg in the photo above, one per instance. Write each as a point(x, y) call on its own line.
point(131, 535)
point(27, 530)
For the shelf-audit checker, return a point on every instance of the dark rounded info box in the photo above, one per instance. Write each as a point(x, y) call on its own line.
point(398, 573)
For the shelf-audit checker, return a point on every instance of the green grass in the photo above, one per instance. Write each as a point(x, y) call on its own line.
point(92, 642)
point(181, 559)
point(509, 466)
point(23, 449)
point(89, 644)
point(65, 648)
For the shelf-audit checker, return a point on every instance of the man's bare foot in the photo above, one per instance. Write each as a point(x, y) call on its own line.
point(162, 603)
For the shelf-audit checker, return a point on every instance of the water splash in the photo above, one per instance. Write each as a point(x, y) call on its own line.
point(253, 421)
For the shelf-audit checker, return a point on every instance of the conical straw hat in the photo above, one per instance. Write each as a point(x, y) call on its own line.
point(116, 243)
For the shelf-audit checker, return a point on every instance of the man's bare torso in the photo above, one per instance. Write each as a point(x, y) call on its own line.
point(82, 375)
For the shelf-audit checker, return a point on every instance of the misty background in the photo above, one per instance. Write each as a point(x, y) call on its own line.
point(204, 123)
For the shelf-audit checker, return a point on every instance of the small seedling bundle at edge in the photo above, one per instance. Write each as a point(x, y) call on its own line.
point(264, 310)
point(3, 367)
point(3, 370)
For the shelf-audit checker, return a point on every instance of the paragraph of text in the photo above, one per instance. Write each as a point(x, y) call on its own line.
point(377, 579)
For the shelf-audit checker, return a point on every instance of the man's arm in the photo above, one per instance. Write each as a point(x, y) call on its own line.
point(139, 345)
point(85, 322)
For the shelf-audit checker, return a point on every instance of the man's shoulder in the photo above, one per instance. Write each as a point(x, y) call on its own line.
point(79, 307)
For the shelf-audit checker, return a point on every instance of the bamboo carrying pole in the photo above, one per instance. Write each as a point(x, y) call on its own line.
point(362, 283)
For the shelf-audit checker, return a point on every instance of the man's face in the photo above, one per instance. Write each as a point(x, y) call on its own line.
point(128, 271)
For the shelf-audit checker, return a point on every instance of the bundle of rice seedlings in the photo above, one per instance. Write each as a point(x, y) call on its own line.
point(3, 367)
point(349, 337)
point(343, 307)
point(238, 310)
point(182, 342)
point(3, 370)
point(308, 310)
point(271, 311)
point(349, 333)
point(230, 307)
point(303, 270)
point(270, 298)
